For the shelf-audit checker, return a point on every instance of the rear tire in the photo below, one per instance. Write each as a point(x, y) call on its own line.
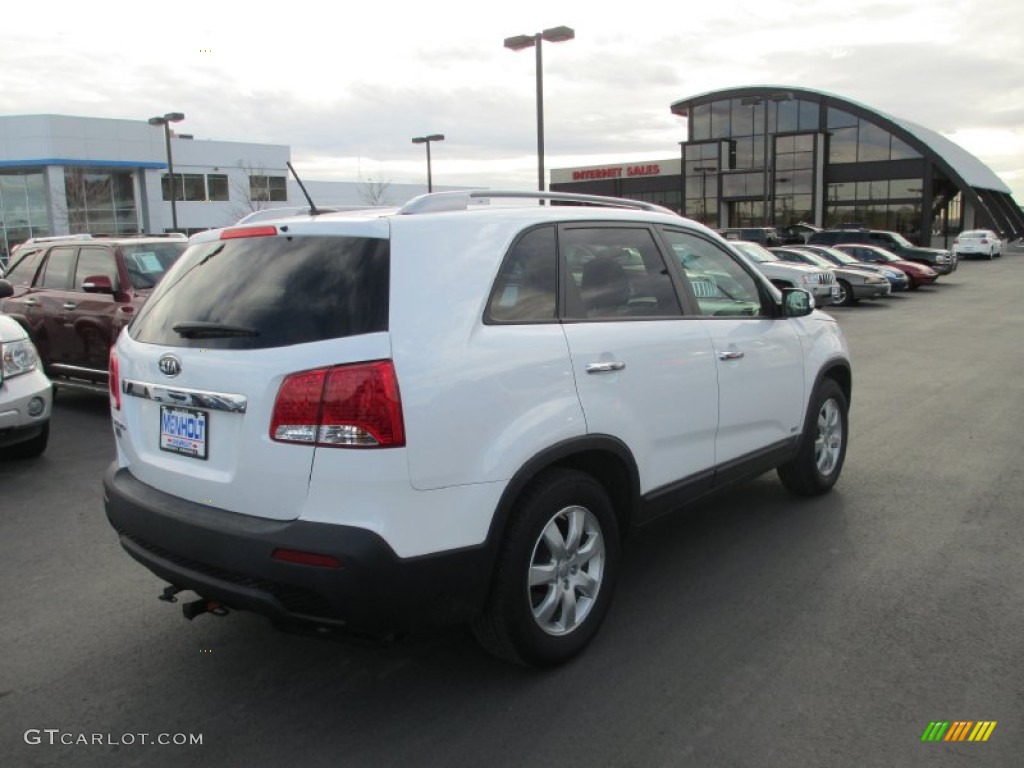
point(846, 297)
point(555, 573)
point(819, 460)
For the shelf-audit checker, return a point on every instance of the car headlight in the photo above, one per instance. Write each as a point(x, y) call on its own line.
point(942, 257)
point(18, 357)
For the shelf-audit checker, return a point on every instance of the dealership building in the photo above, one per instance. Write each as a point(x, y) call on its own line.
point(61, 174)
point(777, 155)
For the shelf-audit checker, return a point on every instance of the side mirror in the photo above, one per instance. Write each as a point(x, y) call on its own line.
point(796, 302)
point(6, 289)
point(97, 284)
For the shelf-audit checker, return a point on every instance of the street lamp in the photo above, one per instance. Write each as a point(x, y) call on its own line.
point(518, 43)
point(426, 140)
point(165, 121)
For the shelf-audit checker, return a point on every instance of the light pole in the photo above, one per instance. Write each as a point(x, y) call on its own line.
point(703, 171)
point(518, 43)
point(426, 140)
point(165, 121)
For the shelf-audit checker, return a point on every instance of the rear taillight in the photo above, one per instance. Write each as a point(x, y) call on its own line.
point(113, 380)
point(347, 406)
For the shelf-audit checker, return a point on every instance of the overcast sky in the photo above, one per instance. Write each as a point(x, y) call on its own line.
point(347, 85)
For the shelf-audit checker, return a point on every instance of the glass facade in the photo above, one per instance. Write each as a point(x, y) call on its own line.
point(23, 209)
point(765, 160)
point(100, 202)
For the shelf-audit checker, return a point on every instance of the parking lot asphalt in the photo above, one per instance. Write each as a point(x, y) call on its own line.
point(753, 630)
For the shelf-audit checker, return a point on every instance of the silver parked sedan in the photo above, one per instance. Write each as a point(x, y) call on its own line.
point(854, 283)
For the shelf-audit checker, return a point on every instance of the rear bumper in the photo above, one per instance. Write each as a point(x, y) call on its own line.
point(226, 557)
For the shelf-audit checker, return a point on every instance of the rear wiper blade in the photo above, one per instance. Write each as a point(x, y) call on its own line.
point(198, 329)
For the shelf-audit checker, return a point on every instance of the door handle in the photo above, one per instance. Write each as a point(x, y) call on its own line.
point(734, 354)
point(607, 367)
point(69, 305)
point(31, 303)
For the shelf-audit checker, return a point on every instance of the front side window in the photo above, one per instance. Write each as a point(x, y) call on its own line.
point(722, 287)
point(95, 261)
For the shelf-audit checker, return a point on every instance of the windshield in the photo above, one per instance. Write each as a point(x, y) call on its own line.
point(817, 260)
point(754, 251)
point(902, 240)
point(147, 262)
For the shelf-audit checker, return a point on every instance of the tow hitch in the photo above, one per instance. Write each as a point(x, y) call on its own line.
point(196, 607)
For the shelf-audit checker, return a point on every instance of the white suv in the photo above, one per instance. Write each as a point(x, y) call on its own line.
point(26, 395)
point(379, 420)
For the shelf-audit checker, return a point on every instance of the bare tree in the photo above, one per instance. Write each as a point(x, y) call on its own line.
point(245, 199)
point(374, 192)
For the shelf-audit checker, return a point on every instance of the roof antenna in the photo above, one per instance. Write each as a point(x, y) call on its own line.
point(313, 210)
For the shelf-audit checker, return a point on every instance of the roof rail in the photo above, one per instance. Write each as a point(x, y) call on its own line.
point(459, 200)
point(54, 238)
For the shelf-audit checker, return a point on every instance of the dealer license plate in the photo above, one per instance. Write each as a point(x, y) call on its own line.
point(184, 431)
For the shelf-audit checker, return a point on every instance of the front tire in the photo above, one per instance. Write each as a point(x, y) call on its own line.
point(555, 574)
point(819, 460)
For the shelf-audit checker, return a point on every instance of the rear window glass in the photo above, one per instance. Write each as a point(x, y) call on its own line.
point(269, 292)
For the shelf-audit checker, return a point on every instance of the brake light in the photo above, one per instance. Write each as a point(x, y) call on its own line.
point(231, 234)
point(346, 406)
point(113, 380)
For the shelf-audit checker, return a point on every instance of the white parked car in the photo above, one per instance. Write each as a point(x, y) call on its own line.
point(26, 396)
point(379, 420)
point(819, 282)
point(978, 242)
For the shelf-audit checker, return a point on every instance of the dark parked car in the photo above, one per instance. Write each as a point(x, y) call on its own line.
point(943, 262)
point(918, 274)
point(763, 236)
point(74, 295)
point(795, 234)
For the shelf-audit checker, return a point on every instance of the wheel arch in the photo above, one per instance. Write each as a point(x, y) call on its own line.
point(605, 458)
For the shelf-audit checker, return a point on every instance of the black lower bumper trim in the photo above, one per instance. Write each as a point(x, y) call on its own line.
point(226, 557)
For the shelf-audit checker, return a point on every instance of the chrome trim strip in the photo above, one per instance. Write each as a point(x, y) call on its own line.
point(214, 401)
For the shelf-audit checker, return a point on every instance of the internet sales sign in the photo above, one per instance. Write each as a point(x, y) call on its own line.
point(617, 172)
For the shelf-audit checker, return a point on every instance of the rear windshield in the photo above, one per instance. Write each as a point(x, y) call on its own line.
point(260, 292)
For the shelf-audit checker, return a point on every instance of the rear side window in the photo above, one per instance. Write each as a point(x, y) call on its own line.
point(526, 288)
point(57, 270)
point(24, 269)
point(261, 292)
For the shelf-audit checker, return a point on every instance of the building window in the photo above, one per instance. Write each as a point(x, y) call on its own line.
point(23, 209)
point(700, 122)
point(268, 188)
point(188, 187)
point(217, 187)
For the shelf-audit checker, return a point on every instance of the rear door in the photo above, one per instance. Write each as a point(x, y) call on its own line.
point(201, 366)
point(645, 374)
point(48, 315)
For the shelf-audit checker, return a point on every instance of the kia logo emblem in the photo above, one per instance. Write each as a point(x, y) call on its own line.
point(169, 365)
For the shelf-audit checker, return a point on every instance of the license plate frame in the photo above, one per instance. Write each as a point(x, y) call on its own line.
point(185, 431)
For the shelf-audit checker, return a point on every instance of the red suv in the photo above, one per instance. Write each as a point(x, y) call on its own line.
point(74, 293)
